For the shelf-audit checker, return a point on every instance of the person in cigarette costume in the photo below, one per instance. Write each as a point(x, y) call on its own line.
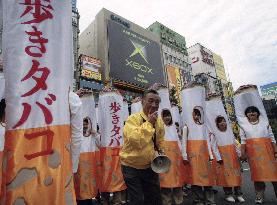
point(196, 149)
point(86, 184)
point(136, 105)
point(143, 134)
point(258, 145)
point(111, 121)
point(224, 149)
point(171, 182)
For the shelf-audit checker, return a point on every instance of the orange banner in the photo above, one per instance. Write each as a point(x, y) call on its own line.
point(86, 178)
point(111, 176)
point(31, 169)
point(200, 169)
point(175, 176)
point(228, 174)
point(263, 165)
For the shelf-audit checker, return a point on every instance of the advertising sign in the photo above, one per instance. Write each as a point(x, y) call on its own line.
point(91, 67)
point(175, 79)
point(269, 89)
point(133, 58)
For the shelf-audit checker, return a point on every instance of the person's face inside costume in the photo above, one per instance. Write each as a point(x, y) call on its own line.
point(150, 103)
point(167, 118)
point(197, 116)
point(252, 114)
point(221, 124)
point(86, 127)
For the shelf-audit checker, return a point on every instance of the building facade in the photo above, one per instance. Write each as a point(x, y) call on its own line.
point(208, 68)
point(76, 31)
point(174, 53)
point(130, 55)
point(269, 91)
point(74, 5)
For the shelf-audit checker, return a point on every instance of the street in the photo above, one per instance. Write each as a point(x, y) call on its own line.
point(248, 191)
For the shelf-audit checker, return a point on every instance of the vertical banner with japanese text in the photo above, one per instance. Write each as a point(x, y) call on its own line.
point(37, 50)
point(174, 80)
point(111, 121)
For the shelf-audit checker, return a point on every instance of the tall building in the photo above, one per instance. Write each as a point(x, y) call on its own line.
point(269, 91)
point(76, 31)
point(219, 67)
point(74, 5)
point(271, 110)
point(174, 55)
point(130, 55)
point(203, 67)
point(208, 68)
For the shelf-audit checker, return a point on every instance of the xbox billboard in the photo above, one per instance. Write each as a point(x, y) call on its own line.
point(133, 58)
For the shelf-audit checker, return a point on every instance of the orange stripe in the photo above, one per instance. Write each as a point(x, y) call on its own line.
point(112, 179)
point(175, 176)
point(228, 174)
point(200, 169)
point(44, 178)
point(263, 165)
point(1, 161)
point(85, 180)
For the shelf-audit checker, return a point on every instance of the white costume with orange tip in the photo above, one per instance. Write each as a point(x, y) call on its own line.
point(172, 147)
point(257, 137)
point(223, 145)
point(86, 178)
point(111, 119)
point(196, 145)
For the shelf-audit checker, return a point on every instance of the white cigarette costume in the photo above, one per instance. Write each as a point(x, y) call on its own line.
point(76, 124)
point(86, 180)
point(125, 110)
point(110, 121)
point(172, 146)
point(195, 143)
point(136, 106)
point(257, 137)
point(223, 145)
point(175, 114)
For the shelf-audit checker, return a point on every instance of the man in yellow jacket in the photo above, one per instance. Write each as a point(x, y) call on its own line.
point(143, 135)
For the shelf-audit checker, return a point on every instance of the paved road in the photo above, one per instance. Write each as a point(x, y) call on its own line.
point(247, 189)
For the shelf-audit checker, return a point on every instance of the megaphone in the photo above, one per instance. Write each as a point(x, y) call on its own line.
point(161, 163)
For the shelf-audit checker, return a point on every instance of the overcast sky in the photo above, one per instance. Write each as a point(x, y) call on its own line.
point(243, 32)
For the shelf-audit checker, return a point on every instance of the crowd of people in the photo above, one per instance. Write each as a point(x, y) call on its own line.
point(112, 149)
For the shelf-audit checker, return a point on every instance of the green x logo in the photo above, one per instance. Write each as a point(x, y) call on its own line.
point(138, 50)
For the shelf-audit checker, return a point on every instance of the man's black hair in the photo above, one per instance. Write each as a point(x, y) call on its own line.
point(252, 109)
point(149, 91)
point(2, 108)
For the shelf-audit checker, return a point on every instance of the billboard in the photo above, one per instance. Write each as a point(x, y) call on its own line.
point(133, 58)
point(269, 90)
point(91, 67)
point(177, 78)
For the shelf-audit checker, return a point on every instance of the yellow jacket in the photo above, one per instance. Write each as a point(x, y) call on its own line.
point(138, 148)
